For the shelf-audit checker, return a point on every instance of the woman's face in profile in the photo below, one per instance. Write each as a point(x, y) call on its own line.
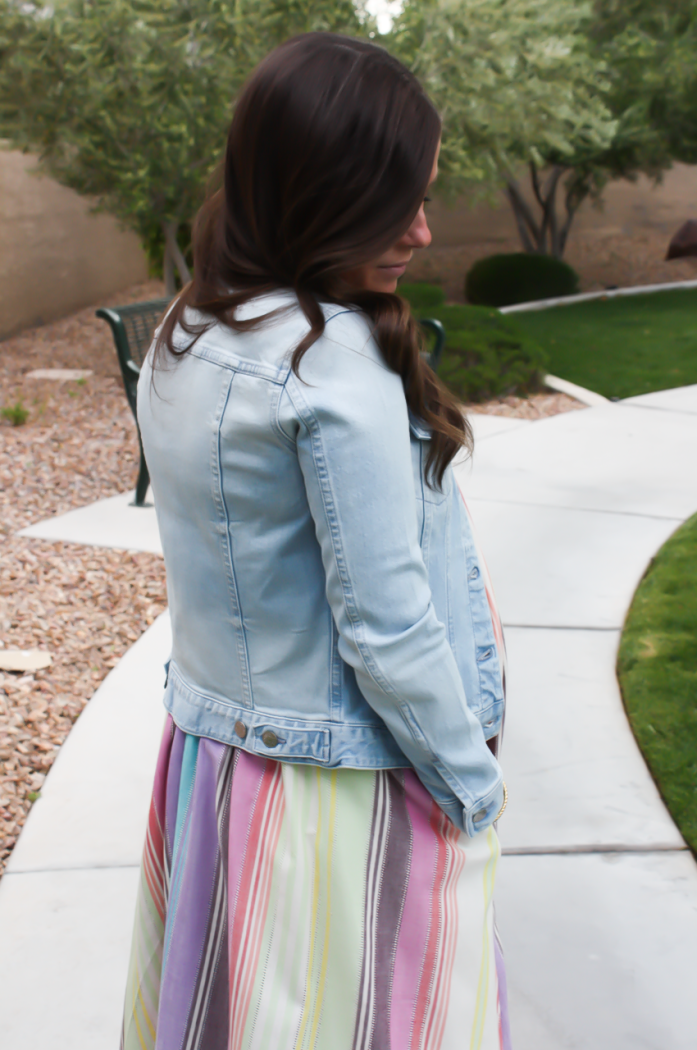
point(382, 274)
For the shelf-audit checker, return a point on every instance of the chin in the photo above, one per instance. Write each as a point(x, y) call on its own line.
point(384, 284)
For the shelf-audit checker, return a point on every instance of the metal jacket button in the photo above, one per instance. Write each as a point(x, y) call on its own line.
point(479, 815)
point(269, 738)
point(241, 730)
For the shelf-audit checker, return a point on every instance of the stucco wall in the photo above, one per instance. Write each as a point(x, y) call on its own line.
point(55, 256)
point(628, 207)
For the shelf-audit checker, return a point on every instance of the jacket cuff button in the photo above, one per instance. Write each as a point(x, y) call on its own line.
point(241, 730)
point(269, 739)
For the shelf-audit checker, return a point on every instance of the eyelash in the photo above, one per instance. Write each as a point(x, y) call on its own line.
point(427, 200)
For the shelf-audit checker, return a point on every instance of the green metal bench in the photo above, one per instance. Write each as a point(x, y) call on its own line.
point(133, 328)
point(438, 331)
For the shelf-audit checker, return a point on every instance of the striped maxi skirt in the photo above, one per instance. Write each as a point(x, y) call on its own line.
point(288, 907)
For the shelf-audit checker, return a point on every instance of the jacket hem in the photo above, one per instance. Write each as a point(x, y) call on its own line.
point(315, 742)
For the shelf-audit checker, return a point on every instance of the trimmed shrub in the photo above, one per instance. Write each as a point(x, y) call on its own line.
point(421, 296)
point(486, 354)
point(501, 280)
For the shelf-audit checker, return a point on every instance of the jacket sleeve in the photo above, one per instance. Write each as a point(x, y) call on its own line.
point(354, 451)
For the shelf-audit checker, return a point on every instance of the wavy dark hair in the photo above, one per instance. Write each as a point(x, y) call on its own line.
point(328, 157)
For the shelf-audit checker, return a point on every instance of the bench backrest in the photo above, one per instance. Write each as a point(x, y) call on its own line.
point(133, 328)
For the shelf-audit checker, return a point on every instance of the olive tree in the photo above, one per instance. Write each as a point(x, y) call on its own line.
point(651, 50)
point(127, 101)
point(524, 86)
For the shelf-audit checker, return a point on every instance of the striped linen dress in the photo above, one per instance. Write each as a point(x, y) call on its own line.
point(289, 907)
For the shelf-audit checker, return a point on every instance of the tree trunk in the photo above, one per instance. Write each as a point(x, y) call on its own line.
point(546, 235)
point(174, 257)
point(168, 267)
point(576, 193)
point(546, 197)
point(528, 229)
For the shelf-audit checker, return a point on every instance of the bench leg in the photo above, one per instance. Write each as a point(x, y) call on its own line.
point(143, 480)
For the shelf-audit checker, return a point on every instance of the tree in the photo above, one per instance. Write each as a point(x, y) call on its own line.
point(127, 101)
point(651, 49)
point(522, 85)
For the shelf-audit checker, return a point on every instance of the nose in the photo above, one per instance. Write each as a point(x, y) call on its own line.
point(418, 235)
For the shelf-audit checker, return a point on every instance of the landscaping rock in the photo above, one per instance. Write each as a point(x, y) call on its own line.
point(60, 375)
point(23, 659)
point(684, 242)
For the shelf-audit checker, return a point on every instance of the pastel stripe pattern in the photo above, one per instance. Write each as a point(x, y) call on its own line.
point(289, 907)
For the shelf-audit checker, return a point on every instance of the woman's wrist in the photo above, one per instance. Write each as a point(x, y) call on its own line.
point(505, 801)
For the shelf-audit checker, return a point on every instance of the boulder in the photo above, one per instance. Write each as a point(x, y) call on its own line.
point(684, 242)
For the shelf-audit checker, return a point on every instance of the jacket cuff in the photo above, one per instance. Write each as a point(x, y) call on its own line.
point(478, 817)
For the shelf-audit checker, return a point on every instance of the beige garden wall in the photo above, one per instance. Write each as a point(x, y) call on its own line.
point(55, 255)
point(628, 208)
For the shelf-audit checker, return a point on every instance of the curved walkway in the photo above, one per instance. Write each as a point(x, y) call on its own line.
point(597, 896)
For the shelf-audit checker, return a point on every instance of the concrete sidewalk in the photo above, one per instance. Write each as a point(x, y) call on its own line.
point(597, 895)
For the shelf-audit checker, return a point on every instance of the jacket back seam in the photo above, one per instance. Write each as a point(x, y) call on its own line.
point(233, 591)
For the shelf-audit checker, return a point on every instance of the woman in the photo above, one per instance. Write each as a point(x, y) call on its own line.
point(320, 853)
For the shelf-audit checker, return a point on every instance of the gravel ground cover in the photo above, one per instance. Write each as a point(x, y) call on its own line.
point(85, 606)
point(537, 406)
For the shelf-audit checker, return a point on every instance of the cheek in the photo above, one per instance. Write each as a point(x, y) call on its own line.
point(370, 278)
point(357, 278)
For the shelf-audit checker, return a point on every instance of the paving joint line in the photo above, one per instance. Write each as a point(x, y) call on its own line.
point(556, 627)
point(611, 847)
point(77, 867)
point(656, 408)
point(510, 851)
point(583, 510)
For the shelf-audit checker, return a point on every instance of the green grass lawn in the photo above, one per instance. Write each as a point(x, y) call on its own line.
point(620, 347)
point(657, 668)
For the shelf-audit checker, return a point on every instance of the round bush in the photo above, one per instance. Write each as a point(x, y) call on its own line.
point(486, 354)
point(422, 296)
point(501, 280)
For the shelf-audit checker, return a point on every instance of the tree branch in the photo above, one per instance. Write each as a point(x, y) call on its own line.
point(534, 178)
point(528, 229)
point(575, 196)
point(550, 206)
point(168, 268)
point(174, 251)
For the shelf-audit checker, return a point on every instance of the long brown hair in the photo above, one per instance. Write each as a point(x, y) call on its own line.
point(328, 157)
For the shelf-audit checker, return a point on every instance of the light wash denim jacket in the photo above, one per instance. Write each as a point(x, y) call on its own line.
point(327, 604)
